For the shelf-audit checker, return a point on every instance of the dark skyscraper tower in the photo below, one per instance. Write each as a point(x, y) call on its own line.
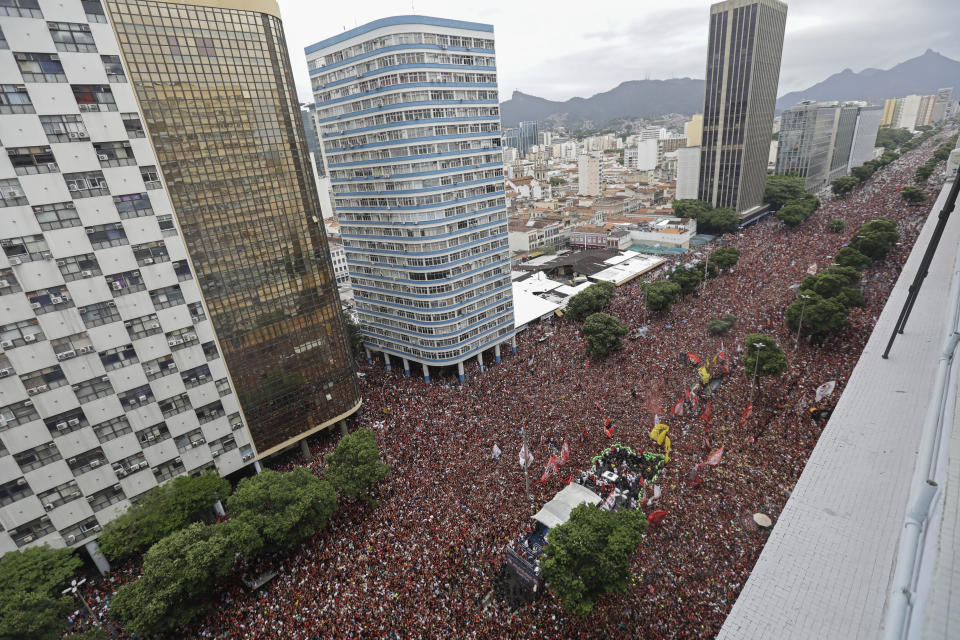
point(743, 68)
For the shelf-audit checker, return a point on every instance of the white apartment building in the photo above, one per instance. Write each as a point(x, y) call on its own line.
point(407, 109)
point(588, 175)
point(688, 173)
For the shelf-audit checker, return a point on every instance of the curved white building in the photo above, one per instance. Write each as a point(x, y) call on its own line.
point(407, 109)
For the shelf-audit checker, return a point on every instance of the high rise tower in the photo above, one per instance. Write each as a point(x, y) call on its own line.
point(408, 113)
point(743, 69)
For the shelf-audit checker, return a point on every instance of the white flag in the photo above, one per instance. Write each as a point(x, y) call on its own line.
point(526, 458)
point(657, 491)
point(812, 269)
point(496, 451)
point(826, 389)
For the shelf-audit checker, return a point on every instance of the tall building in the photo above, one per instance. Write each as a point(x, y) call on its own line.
point(688, 172)
point(925, 111)
point(889, 111)
point(529, 136)
point(588, 175)
point(512, 139)
point(865, 135)
point(743, 68)
point(941, 110)
point(694, 130)
point(164, 313)
point(414, 154)
point(906, 112)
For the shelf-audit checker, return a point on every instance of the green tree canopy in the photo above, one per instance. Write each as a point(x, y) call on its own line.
point(31, 605)
point(820, 315)
point(792, 214)
point(589, 555)
point(863, 172)
point(352, 332)
point(687, 277)
point(163, 510)
point(836, 225)
point(719, 326)
point(604, 333)
point(889, 138)
point(912, 194)
point(782, 189)
point(709, 220)
point(850, 257)
point(355, 467)
point(844, 185)
point(661, 294)
point(285, 508)
point(557, 180)
point(772, 360)
point(874, 239)
point(594, 298)
point(724, 257)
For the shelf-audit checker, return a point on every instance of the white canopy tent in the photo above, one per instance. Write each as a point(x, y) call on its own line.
point(557, 511)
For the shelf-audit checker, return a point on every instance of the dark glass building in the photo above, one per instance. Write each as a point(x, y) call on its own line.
point(743, 69)
point(215, 86)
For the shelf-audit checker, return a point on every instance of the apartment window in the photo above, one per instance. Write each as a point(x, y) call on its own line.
point(86, 184)
point(14, 97)
point(182, 269)
point(167, 228)
point(44, 380)
point(81, 530)
point(59, 495)
point(168, 469)
point(72, 346)
point(112, 429)
point(181, 338)
point(167, 297)
point(196, 312)
point(137, 397)
point(131, 122)
point(114, 154)
point(94, 10)
point(11, 193)
point(37, 457)
point(133, 205)
point(47, 300)
point(14, 490)
point(86, 461)
point(59, 215)
point(153, 435)
point(210, 350)
point(32, 160)
point(114, 68)
point(25, 249)
point(99, 313)
point(226, 443)
point(189, 440)
point(93, 389)
point(106, 497)
point(40, 67)
point(103, 236)
point(21, 8)
point(151, 178)
point(209, 412)
point(175, 405)
point(70, 36)
point(143, 326)
point(223, 387)
point(159, 367)
point(64, 128)
point(20, 333)
point(79, 267)
point(196, 376)
point(118, 357)
point(35, 529)
point(16, 414)
point(67, 422)
point(150, 253)
point(125, 283)
point(8, 282)
point(3, 41)
point(94, 97)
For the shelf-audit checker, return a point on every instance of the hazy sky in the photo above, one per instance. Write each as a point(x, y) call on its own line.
point(561, 49)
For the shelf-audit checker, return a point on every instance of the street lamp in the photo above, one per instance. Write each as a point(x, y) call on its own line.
point(756, 366)
point(800, 324)
point(74, 590)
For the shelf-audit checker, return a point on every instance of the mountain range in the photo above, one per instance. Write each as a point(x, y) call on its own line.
point(649, 99)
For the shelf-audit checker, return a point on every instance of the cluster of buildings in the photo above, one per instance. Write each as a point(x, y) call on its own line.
point(915, 111)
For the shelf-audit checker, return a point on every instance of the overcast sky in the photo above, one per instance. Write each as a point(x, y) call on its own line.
point(561, 49)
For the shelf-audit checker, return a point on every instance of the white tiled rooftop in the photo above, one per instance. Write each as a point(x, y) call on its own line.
point(826, 568)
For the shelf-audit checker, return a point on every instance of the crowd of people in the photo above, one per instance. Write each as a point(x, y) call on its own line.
point(422, 562)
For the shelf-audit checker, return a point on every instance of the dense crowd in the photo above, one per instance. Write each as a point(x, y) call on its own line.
point(421, 563)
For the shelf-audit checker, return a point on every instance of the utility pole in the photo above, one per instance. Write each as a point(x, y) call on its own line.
point(756, 366)
point(800, 324)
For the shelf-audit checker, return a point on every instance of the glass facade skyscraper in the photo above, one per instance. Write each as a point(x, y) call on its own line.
point(743, 69)
point(408, 113)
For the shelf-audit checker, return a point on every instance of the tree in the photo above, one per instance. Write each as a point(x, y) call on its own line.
point(31, 605)
point(352, 331)
point(836, 225)
point(594, 298)
point(923, 172)
point(661, 294)
point(889, 138)
point(589, 555)
point(95, 633)
point(912, 194)
point(725, 257)
point(863, 172)
point(687, 278)
point(691, 208)
point(820, 315)
point(163, 510)
point(874, 239)
point(782, 189)
point(604, 333)
point(285, 508)
point(843, 185)
point(355, 466)
point(719, 221)
point(792, 214)
point(850, 257)
point(719, 326)
point(557, 180)
point(772, 360)
point(179, 574)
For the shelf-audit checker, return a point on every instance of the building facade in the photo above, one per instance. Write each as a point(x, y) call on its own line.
point(743, 68)
point(588, 175)
point(126, 352)
point(694, 130)
point(408, 111)
point(688, 172)
point(865, 135)
point(941, 110)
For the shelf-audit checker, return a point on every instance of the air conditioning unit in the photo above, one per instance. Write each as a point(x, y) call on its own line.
point(86, 349)
point(54, 56)
point(86, 273)
point(95, 463)
point(151, 438)
point(6, 344)
point(62, 426)
point(148, 261)
point(4, 373)
point(74, 134)
point(247, 457)
point(56, 300)
point(35, 305)
point(88, 107)
point(16, 261)
point(60, 263)
point(48, 506)
point(128, 324)
point(142, 398)
point(215, 454)
point(171, 343)
point(27, 539)
point(72, 461)
point(31, 337)
point(66, 355)
point(132, 402)
point(236, 425)
point(153, 325)
point(97, 527)
point(46, 255)
point(121, 473)
point(75, 494)
point(188, 446)
point(71, 539)
point(89, 230)
point(21, 481)
point(52, 166)
point(82, 134)
point(116, 286)
point(73, 422)
point(200, 441)
point(202, 377)
point(91, 498)
point(102, 156)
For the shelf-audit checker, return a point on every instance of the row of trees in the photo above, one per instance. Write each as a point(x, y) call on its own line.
point(845, 184)
point(787, 196)
point(940, 154)
point(660, 295)
point(604, 332)
point(709, 219)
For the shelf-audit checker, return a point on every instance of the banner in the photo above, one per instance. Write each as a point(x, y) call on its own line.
point(826, 389)
point(564, 451)
point(746, 414)
point(496, 451)
point(659, 435)
point(714, 458)
point(678, 408)
point(550, 469)
point(704, 375)
point(707, 414)
point(526, 458)
point(812, 269)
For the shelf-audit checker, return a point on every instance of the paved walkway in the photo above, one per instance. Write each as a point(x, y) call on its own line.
point(825, 570)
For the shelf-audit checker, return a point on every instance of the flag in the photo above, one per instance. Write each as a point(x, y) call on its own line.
point(746, 414)
point(678, 408)
point(607, 422)
point(550, 469)
point(656, 516)
point(826, 389)
point(609, 432)
point(704, 375)
point(564, 451)
point(714, 458)
point(657, 491)
point(812, 269)
point(526, 458)
point(707, 414)
point(496, 451)
point(694, 358)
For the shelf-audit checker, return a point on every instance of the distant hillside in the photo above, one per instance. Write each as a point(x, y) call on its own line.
point(633, 99)
point(922, 75)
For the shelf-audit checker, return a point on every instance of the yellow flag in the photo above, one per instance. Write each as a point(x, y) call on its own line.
point(704, 375)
